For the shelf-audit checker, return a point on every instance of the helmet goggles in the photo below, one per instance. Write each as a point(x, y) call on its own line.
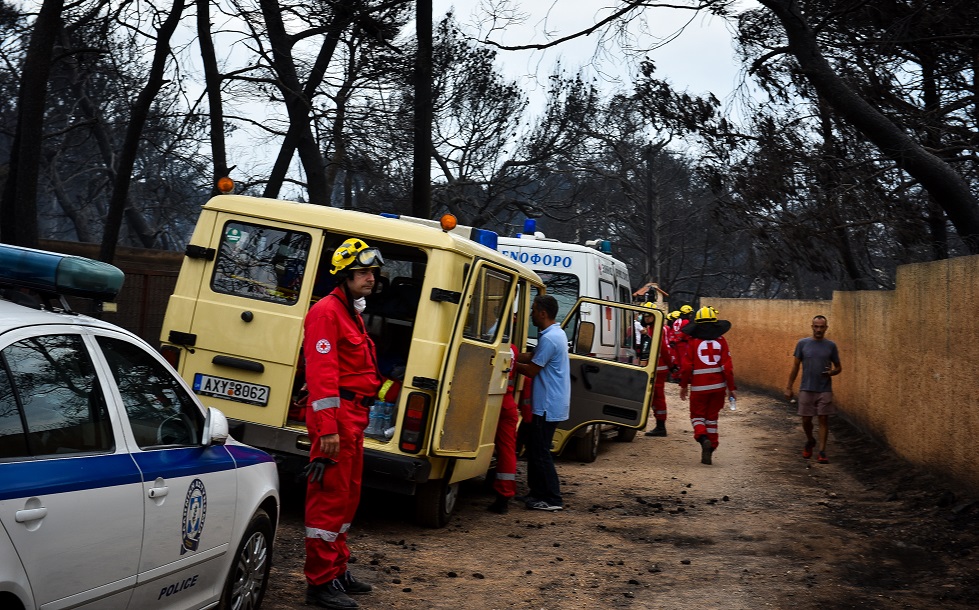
point(371, 257)
point(356, 254)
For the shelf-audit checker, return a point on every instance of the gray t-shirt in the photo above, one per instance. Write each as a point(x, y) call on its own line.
point(816, 356)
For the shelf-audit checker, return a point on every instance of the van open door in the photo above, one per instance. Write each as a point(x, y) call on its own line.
point(240, 316)
point(606, 391)
point(477, 364)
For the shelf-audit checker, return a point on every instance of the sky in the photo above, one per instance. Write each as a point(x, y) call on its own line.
point(698, 60)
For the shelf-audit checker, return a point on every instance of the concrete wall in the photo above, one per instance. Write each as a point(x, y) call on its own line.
point(910, 359)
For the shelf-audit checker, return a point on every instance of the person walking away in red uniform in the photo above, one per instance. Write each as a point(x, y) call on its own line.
point(663, 365)
point(505, 483)
point(342, 379)
point(680, 339)
point(706, 375)
point(820, 361)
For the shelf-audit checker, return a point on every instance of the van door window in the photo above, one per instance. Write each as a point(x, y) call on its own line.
point(566, 288)
point(488, 305)
point(260, 262)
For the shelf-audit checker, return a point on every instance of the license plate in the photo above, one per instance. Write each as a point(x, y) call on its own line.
point(230, 389)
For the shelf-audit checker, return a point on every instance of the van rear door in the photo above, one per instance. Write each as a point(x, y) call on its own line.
point(477, 364)
point(249, 309)
point(603, 390)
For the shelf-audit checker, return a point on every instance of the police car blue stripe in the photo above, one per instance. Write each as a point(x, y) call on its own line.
point(62, 475)
point(248, 456)
point(183, 462)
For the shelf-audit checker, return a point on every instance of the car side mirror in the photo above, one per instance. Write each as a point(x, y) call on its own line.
point(586, 336)
point(215, 427)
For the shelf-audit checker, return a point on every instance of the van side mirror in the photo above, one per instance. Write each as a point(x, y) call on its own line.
point(215, 428)
point(586, 336)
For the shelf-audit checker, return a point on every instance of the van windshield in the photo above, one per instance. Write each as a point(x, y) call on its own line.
point(261, 262)
point(564, 287)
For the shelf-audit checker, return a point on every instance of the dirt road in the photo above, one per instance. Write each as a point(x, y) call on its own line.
point(648, 526)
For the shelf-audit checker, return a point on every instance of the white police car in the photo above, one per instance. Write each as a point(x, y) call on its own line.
point(118, 489)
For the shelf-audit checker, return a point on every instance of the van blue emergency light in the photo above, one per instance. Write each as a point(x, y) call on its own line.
point(485, 237)
point(59, 274)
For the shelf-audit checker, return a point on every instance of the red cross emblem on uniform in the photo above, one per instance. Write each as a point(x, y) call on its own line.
point(709, 352)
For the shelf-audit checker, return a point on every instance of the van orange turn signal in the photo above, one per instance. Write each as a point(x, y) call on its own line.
point(448, 222)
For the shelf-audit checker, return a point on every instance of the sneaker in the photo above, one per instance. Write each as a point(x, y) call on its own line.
point(821, 458)
point(807, 450)
point(353, 586)
point(330, 595)
point(500, 506)
point(542, 505)
point(705, 451)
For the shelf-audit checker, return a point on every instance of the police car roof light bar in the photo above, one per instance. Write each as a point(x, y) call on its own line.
point(50, 273)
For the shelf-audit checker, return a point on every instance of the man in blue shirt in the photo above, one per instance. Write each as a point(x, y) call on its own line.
point(548, 365)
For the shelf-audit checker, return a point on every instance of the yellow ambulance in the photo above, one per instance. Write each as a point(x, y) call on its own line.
point(439, 317)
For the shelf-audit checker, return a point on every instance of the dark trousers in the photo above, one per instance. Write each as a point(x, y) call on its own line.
point(541, 475)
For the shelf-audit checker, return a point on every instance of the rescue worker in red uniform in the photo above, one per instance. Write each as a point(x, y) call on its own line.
point(505, 483)
point(706, 374)
point(663, 366)
point(342, 379)
point(680, 338)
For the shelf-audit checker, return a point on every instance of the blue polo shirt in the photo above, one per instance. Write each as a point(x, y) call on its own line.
point(552, 385)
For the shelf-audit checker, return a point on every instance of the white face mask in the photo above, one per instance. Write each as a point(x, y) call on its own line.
point(360, 304)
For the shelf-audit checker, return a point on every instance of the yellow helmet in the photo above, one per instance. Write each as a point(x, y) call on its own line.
point(674, 314)
point(355, 254)
point(650, 305)
point(706, 314)
point(686, 309)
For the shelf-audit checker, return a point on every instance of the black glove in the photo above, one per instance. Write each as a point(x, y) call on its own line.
point(315, 469)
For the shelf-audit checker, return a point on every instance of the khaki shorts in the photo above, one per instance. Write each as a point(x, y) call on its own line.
point(815, 403)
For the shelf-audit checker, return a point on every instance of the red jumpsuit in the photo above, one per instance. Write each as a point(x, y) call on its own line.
point(341, 374)
point(663, 366)
point(505, 483)
point(708, 371)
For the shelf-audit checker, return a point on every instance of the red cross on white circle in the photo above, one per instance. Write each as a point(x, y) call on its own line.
point(709, 352)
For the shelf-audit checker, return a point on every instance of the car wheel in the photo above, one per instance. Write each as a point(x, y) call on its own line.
point(434, 502)
point(249, 573)
point(586, 447)
point(625, 435)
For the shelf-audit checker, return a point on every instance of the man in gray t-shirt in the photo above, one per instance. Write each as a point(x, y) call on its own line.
point(820, 362)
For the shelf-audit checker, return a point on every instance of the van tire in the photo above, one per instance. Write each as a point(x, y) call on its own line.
point(586, 446)
point(625, 435)
point(434, 502)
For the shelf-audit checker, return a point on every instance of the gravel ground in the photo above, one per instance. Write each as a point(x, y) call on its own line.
point(648, 526)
